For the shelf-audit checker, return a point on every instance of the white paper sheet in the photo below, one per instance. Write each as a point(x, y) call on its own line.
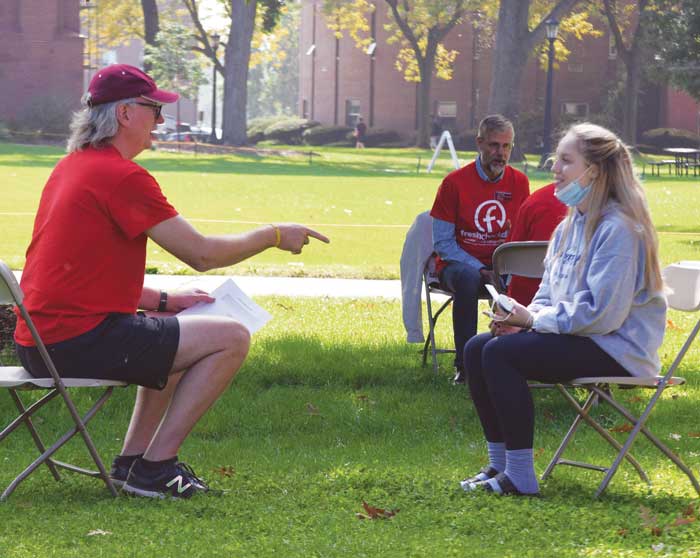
point(233, 302)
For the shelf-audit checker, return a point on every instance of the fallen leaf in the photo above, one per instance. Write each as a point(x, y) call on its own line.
point(689, 511)
point(283, 306)
point(671, 325)
point(623, 532)
point(98, 532)
point(548, 415)
point(657, 531)
point(378, 513)
point(627, 427)
point(693, 434)
point(681, 521)
point(225, 471)
point(312, 409)
point(539, 452)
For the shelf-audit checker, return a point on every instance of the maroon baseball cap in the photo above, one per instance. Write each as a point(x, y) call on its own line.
point(121, 81)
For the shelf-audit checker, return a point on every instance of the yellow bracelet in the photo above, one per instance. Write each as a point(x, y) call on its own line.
point(278, 235)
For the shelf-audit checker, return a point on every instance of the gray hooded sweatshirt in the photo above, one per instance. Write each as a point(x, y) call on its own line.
point(605, 297)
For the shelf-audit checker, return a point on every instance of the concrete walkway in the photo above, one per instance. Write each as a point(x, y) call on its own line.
point(286, 286)
point(283, 286)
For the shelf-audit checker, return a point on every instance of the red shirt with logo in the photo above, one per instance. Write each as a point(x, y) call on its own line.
point(537, 219)
point(481, 211)
point(88, 250)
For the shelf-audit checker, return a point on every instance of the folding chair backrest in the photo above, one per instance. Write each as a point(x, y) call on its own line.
point(10, 293)
point(683, 282)
point(522, 258)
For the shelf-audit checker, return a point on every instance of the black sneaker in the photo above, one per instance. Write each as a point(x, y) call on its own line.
point(120, 468)
point(460, 377)
point(174, 479)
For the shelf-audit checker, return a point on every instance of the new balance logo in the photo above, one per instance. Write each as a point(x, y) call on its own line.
point(178, 480)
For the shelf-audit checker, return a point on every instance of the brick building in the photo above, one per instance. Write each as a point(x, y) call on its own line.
point(338, 81)
point(41, 56)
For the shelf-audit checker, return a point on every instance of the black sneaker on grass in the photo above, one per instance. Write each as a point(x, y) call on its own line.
point(173, 479)
point(120, 468)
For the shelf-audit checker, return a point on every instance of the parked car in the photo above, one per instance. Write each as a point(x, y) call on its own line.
point(198, 137)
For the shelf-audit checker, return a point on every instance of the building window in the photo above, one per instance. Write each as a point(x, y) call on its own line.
point(68, 18)
point(304, 108)
point(352, 112)
point(576, 67)
point(9, 15)
point(446, 111)
point(612, 48)
point(575, 109)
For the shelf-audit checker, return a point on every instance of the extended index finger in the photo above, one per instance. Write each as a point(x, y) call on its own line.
point(318, 235)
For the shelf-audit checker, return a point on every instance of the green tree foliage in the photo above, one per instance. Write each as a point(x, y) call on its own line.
point(273, 82)
point(676, 25)
point(173, 64)
point(243, 18)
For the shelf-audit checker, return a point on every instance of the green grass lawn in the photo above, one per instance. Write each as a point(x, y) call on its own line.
point(333, 408)
point(364, 200)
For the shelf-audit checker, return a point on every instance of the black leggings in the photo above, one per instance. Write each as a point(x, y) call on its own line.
point(498, 369)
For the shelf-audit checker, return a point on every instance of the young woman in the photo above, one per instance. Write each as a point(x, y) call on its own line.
point(600, 309)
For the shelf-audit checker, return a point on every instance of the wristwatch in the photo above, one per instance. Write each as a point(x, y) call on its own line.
point(163, 301)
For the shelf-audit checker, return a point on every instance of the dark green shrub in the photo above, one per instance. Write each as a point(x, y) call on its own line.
point(659, 138)
point(378, 137)
point(47, 116)
point(256, 127)
point(324, 135)
point(289, 130)
point(465, 140)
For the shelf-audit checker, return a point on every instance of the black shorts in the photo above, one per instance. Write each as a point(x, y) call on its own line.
point(132, 348)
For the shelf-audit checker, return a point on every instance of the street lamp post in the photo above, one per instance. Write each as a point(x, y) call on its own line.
point(552, 27)
point(215, 46)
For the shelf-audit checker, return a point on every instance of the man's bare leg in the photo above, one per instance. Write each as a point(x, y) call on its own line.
point(211, 349)
point(149, 408)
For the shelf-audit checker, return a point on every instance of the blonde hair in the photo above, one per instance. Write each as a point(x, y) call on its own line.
point(615, 180)
point(94, 125)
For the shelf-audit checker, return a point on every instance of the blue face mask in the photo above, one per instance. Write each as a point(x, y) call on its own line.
point(573, 193)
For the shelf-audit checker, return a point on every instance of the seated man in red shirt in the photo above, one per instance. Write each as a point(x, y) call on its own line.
point(472, 214)
point(538, 217)
point(83, 283)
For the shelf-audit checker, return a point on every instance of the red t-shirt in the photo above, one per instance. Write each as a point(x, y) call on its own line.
point(481, 211)
point(88, 250)
point(537, 219)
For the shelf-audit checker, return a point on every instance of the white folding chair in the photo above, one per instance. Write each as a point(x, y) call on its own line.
point(432, 288)
point(16, 379)
point(684, 281)
point(524, 258)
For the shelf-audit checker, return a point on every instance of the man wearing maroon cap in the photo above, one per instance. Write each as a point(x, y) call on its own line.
point(83, 283)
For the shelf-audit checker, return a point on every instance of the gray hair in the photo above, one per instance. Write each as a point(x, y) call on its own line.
point(495, 123)
point(94, 125)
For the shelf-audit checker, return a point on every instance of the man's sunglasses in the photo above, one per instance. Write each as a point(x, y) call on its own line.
point(156, 108)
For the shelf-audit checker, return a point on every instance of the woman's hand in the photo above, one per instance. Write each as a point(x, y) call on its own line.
point(520, 317)
point(499, 329)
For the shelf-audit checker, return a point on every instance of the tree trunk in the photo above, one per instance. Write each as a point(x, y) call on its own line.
point(150, 24)
point(510, 57)
point(426, 67)
point(631, 97)
point(150, 21)
point(236, 72)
